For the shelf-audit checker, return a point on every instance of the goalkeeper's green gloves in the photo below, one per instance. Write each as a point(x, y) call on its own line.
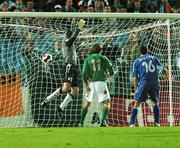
point(81, 24)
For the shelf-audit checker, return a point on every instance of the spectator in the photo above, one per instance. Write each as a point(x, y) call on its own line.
point(137, 6)
point(175, 10)
point(167, 7)
point(82, 6)
point(29, 7)
point(8, 6)
point(144, 6)
point(19, 4)
point(58, 8)
point(130, 6)
point(69, 6)
point(99, 5)
point(155, 2)
point(117, 5)
point(152, 8)
point(176, 4)
point(5, 7)
point(106, 7)
point(49, 6)
point(164, 6)
point(38, 5)
point(90, 8)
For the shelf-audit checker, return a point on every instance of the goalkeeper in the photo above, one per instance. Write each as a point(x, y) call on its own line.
point(96, 69)
point(69, 85)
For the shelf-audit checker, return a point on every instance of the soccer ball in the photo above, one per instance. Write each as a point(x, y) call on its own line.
point(47, 57)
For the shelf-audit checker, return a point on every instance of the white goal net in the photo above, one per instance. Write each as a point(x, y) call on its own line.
point(26, 80)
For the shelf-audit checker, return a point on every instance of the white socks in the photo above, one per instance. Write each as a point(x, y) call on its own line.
point(53, 95)
point(66, 101)
point(56, 93)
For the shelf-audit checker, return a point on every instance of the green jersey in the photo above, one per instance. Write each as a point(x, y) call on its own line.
point(96, 67)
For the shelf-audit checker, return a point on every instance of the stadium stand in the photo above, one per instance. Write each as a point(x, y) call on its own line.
point(138, 6)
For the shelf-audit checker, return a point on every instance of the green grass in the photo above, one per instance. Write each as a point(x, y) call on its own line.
point(91, 137)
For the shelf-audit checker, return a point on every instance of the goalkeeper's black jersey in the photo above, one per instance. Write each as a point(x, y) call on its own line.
point(68, 48)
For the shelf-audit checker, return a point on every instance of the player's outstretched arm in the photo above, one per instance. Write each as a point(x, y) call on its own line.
point(72, 36)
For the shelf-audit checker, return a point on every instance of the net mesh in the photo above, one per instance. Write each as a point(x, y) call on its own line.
point(26, 80)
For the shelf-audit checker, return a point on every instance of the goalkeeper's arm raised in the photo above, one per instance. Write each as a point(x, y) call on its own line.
point(71, 36)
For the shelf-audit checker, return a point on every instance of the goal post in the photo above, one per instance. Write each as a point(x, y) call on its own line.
point(26, 79)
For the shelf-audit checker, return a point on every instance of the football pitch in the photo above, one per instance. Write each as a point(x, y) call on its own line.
point(91, 137)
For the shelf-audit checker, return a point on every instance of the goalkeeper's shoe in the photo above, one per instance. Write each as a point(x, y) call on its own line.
point(44, 103)
point(59, 112)
point(103, 124)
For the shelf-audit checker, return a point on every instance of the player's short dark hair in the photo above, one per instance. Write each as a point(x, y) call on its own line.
point(143, 50)
point(95, 49)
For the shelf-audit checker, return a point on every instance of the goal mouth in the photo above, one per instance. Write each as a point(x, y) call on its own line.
point(26, 78)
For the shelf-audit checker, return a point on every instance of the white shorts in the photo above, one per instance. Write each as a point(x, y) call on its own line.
point(98, 90)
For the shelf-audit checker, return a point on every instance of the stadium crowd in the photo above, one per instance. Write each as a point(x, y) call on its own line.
point(121, 6)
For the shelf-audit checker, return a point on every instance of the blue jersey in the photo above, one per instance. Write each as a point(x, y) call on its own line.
point(147, 68)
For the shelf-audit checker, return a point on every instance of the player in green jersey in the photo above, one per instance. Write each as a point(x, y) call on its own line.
point(96, 69)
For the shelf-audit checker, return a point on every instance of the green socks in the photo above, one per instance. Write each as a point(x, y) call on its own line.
point(83, 115)
point(104, 114)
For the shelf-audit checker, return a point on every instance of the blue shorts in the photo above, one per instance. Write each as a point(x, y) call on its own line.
point(146, 88)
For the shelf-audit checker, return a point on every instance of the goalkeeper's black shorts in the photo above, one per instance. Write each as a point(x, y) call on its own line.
point(71, 74)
